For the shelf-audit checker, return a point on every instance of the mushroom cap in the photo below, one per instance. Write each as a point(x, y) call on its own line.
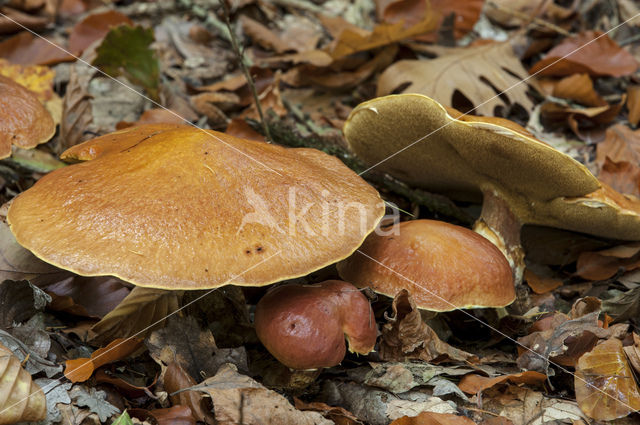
point(304, 326)
point(444, 266)
point(423, 143)
point(24, 121)
point(176, 207)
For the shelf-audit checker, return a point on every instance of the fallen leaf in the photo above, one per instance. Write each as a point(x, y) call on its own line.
point(27, 49)
point(139, 314)
point(474, 384)
point(175, 379)
point(81, 369)
point(624, 306)
point(57, 394)
point(124, 387)
point(8, 23)
point(352, 41)
point(126, 51)
point(153, 116)
point(265, 37)
point(476, 73)
point(623, 176)
point(579, 88)
point(601, 265)
point(175, 415)
point(123, 419)
point(633, 104)
point(38, 79)
point(91, 297)
point(21, 399)
point(592, 52)
point(605, 386)
point(240, 128)
point(19, 300)
point(29, 358)
point(406, 336)
point(95, 400)
point(430, 418)
point(93, 28)
point(633, 353)
point(539, 284)
point(338, 415)
point(240, 399)
point(618, 157)
point(77, 114)
point(410, 12)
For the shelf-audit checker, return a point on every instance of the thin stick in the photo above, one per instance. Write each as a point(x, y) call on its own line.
point(236, 49)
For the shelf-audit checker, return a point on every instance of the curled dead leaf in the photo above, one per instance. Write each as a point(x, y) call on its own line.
point(81, 369)
point(175, 379)
point(474, 384)
point(27, 49)
point(406, 336)
point(601, 265)
point(431, 418)
point(20, 398)
point(605, 386)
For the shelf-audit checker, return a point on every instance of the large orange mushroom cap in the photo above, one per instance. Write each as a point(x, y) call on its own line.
point(443, 266)
point(177, 207)
point(304, 326)
point(24, 121)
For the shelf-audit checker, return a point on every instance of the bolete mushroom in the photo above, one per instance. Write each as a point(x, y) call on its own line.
point(443, 266)
point(24, 121)
point(520, 179)
point(176, 207)
point(304, 326)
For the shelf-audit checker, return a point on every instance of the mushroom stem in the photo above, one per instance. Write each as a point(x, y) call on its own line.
point(500, 225)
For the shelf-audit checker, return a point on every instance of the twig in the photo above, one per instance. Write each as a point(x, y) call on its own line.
point(236, 49)
point(531, 19)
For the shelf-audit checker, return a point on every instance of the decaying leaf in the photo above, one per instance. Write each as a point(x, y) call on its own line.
point(406, 336)
point(139, 314)
point(95, 400)
point(87, 296)
point(20, 398)
point(123, 419)
point(126, 51)
point(605, 386)
point(38, 79)
point(473, 383)
point(592, 52)
point(618, 159)
point(541, 284)
point(79, 370)
point(27, 49)
point(338, 415)
point(175, 379)
point(633, 104)
point(29, 358)
point(430, 418)
point(478, 73)
point(55, 392)
point(601, 265)
point(624, 306)
point(19, 301)
point(153, 116)
point(93, 28)
point(240, 399)
point(579, 88)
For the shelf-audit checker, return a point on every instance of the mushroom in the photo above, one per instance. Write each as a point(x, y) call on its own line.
point(520, 179)
point(24, 121)
point(304, 326)
point(176, 207)
point(444, 266)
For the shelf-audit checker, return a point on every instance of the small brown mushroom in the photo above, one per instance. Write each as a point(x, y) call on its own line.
point(304, 326)
point(176, 207)
point(24, 121)
point(444, 266)
point(521, 180)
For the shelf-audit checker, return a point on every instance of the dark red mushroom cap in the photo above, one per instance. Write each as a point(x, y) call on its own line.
point(304, 326)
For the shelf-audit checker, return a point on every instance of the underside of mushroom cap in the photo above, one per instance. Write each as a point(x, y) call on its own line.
point(24, 121)
point(184, 208)
point(443, 266)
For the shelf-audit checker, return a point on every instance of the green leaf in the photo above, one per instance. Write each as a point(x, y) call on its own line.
point(126, 51)
point(123, 419)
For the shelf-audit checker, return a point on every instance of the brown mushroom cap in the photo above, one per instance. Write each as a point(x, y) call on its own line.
point(24, 121)
point(304, 326)
point(176, 207)
point(443, 266)
point(521, 179)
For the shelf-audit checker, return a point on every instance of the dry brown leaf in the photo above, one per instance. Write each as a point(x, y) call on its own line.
point(352, 41)
point(81, 369)
point(27, 49)
point(240, 399)
point(540, 284)
point(507, 12)
point(471, 71)
point(239, 128)
point(633, 353)
point(153, 116)
point(338, 415)
point(264, 36)
point(87, 296)
point(430, 418)
point(8, 24)
point(139, 314)
point(623, 176)
point(579, 88)
point(175, 415)
point(93, 28)
point(592, 52)
point(473, 383)
point(124, 387)
point(605, 386)
point(601, 265)
point(620, 144)
point(633, 104)
point(20, 398)
point(174, 379)
point(410, 12)
point(406, 336)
